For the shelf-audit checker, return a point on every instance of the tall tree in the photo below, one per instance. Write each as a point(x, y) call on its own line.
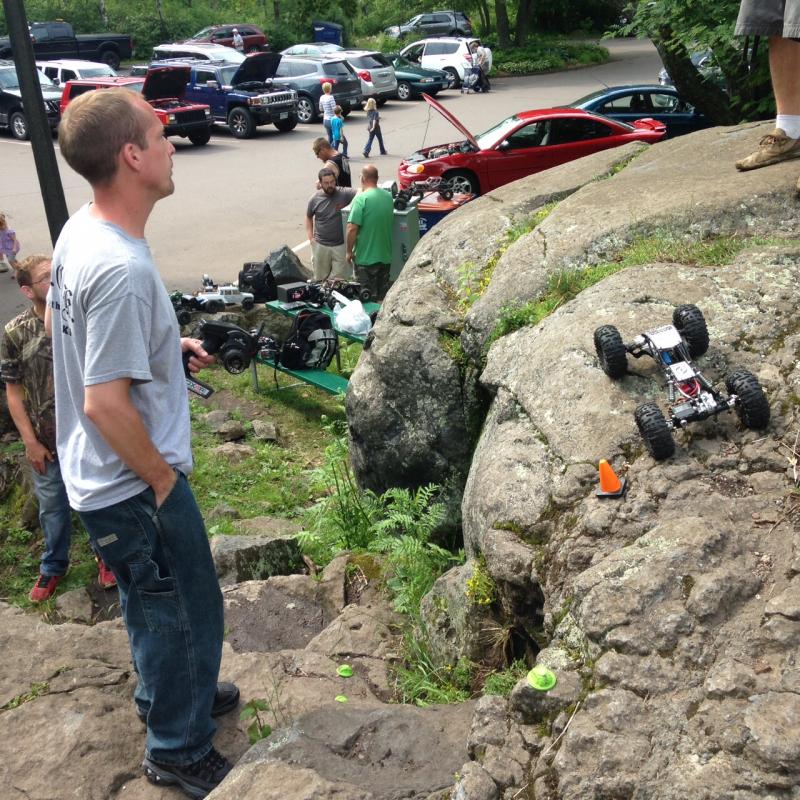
point(503, 26)
point(524, 17)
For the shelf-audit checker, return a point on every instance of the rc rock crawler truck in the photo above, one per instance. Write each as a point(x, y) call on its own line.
point(690, 395)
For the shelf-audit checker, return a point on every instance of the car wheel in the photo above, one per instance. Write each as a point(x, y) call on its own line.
point(752, 407)
point(200, 138)
point(240, 121)
point(691, 324)
point(306, 113)
point(611, 351)
point(455, 81)
point(404, 91)
point(462, 181)
point(19, 126)
point(110, 57)
point(285, 125)
point(655, 431)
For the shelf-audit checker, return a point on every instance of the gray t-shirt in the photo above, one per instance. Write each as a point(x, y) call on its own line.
point(112, 318)
point(325, 211)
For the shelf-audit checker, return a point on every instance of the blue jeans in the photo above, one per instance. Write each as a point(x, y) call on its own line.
point(376, 134)
point(54, 518)
point(172, 607)
point(326, 123)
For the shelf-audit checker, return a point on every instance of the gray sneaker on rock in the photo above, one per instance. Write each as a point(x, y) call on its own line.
point(772, 148)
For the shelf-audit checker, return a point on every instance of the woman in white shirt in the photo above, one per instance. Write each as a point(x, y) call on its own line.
point(326, 105)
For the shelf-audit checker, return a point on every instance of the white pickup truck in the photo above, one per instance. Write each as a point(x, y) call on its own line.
point(216, 298)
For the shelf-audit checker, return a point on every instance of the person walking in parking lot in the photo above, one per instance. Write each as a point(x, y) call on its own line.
point(373, 127)
point(369, 234)
point(327, 104)
point(124, 437)
point(9, 246)
point(337, 130)
point(238, 41)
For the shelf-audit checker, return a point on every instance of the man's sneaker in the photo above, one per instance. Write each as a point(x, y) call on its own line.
point(225, 700)
point(772, 148)
point(44, 588)
point(196, 780)
point(105, 577)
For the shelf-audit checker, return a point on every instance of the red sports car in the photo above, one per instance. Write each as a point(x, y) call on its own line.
point(528, 142)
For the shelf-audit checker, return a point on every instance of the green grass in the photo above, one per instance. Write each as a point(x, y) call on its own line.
point(661, 246)
point(501, 683)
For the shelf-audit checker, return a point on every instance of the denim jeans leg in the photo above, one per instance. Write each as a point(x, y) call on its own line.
point(368, 145)
point(172, 606)
point(54, 518)
point(380, 142)
point(326, 123)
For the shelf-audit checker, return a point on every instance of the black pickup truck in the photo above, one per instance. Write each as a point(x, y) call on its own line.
point(58, 40)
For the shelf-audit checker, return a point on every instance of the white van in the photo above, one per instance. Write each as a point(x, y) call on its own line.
point(67, 69)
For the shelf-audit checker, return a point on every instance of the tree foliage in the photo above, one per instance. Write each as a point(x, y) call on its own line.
point(679, 29)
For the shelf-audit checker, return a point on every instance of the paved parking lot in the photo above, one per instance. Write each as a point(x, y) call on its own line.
point(235, 200)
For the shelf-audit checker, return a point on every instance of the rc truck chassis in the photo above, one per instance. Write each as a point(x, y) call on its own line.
point(690, 394)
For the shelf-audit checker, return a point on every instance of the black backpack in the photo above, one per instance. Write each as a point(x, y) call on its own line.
point(257, 277)
point(311, 343)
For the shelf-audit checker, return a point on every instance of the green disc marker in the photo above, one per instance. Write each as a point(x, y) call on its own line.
point(345, 671)
point(541, 678)
point(340, 698)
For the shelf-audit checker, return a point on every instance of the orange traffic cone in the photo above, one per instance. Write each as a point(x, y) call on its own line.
point(610, 484)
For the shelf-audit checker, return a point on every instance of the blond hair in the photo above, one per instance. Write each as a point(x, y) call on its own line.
point(3, 223)
point(96, 126)
point(371, 105)
point(327, 87)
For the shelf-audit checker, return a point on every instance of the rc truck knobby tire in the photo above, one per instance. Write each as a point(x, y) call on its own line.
point(184, 317)
point(691, 324)
point(655, 431)
point(247, 303)
point(610, 351)
point(753, 407)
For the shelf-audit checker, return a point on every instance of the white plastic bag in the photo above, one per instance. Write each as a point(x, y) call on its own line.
point(352, 318)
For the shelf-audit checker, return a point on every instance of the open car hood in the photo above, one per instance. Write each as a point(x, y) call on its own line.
point(164, 82)
point(257, 67)
point(459, 126)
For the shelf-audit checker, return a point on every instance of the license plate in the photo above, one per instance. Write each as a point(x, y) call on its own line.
point(284, 115)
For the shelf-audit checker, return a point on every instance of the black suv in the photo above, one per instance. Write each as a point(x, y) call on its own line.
point(306, 74)
point(433, 23)
point(12, 115)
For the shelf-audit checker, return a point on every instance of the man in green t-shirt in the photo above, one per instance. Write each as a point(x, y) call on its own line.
point(369, 234)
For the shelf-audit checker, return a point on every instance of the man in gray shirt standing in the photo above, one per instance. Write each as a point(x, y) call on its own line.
point(325, 230)
point(123, 434)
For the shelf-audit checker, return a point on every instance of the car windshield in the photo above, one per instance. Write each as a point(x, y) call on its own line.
point(97, 72)
point(203, 34)
point(227, 75)
point(499, 132)
point(134, 87)
point(403, 63)
point(588, 97)
point(413, 20)
point(9, 80)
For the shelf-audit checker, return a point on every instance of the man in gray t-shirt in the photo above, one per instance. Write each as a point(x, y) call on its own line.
point(123, 436)
point(325, 230)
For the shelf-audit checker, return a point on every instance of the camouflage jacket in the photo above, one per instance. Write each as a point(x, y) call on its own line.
point(26, 357)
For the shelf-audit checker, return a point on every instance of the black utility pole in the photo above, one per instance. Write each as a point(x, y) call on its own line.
point(44, 154)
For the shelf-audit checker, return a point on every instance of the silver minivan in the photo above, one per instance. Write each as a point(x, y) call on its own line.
point(375, 71)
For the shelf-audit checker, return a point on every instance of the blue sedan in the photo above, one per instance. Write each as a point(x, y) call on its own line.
point(629, 103)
